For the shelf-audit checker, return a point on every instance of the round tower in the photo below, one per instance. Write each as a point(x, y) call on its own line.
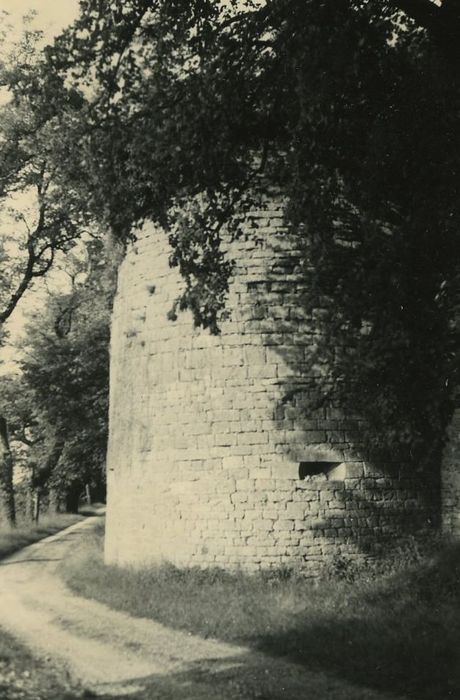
point(215, 456)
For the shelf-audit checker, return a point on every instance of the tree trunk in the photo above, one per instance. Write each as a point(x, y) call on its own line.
point(55, 504)
point(37, 499)
point(34, 504)
point(31, 503)
point(73, 498)
point(7, 506)
point(56, 496)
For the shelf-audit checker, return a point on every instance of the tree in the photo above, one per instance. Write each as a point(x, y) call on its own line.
point(57, 405)
point(65, 370)
point(351, 110)
point(39, 219)
point(42, 218)
point(8, 511)
point(27, 438)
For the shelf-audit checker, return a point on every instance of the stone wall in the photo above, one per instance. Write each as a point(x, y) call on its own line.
point(450, 482)
point(214, 456)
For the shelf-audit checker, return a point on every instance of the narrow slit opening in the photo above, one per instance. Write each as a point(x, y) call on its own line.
point(315, 468)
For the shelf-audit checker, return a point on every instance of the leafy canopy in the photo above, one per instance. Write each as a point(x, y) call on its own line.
point(39, 217)
point(60, 410)
point(349, 109)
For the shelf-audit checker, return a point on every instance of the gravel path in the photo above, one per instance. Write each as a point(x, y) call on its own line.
point(113, 655)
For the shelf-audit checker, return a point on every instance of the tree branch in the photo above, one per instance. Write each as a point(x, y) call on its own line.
point(22, 286)
point(424, 12)
point(30, 270)
point(40, 272)
point(441, 21)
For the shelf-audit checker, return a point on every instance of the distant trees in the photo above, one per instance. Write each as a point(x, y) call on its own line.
point(25, 437)
point(57, 407)
point(66, 372)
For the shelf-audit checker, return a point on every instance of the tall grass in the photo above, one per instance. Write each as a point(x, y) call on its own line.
point(398, 630)
point(13, 539)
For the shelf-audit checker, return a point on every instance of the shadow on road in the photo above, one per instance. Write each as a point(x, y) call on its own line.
point(28, 561)
point(399, 640)
point(249, 678)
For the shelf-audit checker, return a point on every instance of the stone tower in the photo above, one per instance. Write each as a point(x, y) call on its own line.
point(213, 458)
point(450, 478)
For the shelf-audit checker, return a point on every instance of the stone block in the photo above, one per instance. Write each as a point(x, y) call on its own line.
point(296, 511)
point(284, 524)
point(285, 471)
point(252, 438)
point(232, 462)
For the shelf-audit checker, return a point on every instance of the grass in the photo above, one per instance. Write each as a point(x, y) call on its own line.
point(397, 631)
point(13, 539)
point(23, 676)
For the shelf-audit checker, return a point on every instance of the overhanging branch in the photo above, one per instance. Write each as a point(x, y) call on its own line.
point(441, 21)
point(424, 12)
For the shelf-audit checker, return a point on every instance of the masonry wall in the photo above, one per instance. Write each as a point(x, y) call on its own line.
point(450, 481)
point(214, 458)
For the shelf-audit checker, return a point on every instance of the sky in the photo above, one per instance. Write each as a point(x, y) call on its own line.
point(53, 15)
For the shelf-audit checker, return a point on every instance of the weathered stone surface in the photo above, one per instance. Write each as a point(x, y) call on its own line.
point(207, 433)
point(450, 479)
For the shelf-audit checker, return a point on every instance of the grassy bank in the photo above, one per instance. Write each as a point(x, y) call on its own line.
point(23, 677)
point(399, 631)
point(13, 539)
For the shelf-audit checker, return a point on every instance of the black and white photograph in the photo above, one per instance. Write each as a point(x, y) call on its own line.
point(229, 332)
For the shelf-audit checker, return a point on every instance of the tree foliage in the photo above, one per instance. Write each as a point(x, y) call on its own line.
point(39, 217)
point(351, 110)
point(65, 373)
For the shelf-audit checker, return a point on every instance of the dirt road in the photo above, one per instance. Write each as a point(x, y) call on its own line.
point(112, 655)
